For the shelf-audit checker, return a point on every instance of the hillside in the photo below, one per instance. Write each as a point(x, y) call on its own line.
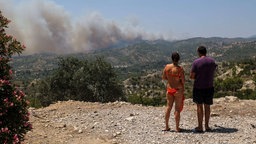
point(232, 121)
point(144, 56)
point(138, 67)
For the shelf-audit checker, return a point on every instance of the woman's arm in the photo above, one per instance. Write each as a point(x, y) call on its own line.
point(182, 77)
point(164, 77)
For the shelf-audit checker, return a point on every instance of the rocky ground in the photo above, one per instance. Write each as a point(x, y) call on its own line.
point(232, 121)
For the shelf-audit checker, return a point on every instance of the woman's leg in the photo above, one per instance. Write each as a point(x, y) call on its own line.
point(170, 100)
point(178, 104)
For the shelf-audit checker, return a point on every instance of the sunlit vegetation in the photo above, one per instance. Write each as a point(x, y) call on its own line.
point(138, 69)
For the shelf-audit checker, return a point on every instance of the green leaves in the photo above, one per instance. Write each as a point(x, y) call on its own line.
point(77, 79)
point(14, 116)
point(8, 44)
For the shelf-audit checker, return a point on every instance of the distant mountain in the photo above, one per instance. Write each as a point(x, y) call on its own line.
point(160, 50)
point(145, 55)
point(253, 36)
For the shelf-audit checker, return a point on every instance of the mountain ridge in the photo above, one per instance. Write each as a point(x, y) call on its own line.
point(145, 54)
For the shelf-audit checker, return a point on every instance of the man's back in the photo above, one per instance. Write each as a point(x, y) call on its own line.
point(204, 68)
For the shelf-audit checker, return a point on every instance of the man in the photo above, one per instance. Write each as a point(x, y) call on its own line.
point(203, 69)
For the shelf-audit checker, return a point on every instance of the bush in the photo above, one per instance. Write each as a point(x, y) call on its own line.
point(246, 94)
point(155, 101)
point(81, 80)
point(38, 93)
point(229, 84)
point(14, 116)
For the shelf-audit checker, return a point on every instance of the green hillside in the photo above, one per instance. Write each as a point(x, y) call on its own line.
point(142, 56)
point(138, 66)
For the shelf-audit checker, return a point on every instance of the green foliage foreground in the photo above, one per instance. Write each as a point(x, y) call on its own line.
point(14, 116)
point(76, 79)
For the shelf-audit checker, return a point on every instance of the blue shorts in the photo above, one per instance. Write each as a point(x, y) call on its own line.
point(203, 96)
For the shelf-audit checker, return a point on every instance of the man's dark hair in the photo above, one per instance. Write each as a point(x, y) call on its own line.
point(202, 50)
point(175, 57)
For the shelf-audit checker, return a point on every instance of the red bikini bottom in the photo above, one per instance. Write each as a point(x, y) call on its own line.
point(172, 91)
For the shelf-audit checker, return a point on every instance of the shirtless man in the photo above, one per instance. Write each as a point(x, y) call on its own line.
point(174, 74)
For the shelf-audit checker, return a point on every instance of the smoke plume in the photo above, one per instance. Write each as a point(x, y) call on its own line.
point(43, 26)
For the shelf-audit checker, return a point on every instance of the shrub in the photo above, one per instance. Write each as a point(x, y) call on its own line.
point(246, 94)
point(14, 116)
point(147, 101)
point(81, 80)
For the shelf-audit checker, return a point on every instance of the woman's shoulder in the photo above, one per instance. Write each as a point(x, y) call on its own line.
point(172, 66)
point(177, 66)
point(180, 67)
point(169, 66)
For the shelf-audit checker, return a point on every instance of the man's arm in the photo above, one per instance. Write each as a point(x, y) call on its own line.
point(192, 72)
point(192, 75)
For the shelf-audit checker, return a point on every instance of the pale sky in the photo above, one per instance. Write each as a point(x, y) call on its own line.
point(64, 26)
point(184, 18)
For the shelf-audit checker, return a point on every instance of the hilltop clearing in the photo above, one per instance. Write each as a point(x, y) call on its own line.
point(232, 121)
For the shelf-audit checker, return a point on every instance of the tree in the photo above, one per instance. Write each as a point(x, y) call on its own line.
point(38, 93)
point(105, 85)
point(62, 86)
point(76, 79)
point(14, 115)
point(228, 85)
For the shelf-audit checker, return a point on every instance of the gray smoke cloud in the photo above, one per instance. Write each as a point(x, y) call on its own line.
point(44, 26)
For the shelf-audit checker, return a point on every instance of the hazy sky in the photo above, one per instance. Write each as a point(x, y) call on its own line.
point(64, 26)
point(175, 18)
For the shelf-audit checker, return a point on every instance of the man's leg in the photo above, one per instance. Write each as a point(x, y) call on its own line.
point(198, 99)
point(200, 116)
point(170, 100)
point(207, 110)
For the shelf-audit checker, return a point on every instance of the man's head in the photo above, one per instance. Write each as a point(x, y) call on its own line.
point(201, 51)
point(175, 57)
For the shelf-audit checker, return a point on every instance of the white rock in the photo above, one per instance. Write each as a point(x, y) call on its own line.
point(130, 118)
point(231, 98)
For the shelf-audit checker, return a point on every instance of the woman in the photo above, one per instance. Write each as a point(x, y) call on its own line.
point(174, 74)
